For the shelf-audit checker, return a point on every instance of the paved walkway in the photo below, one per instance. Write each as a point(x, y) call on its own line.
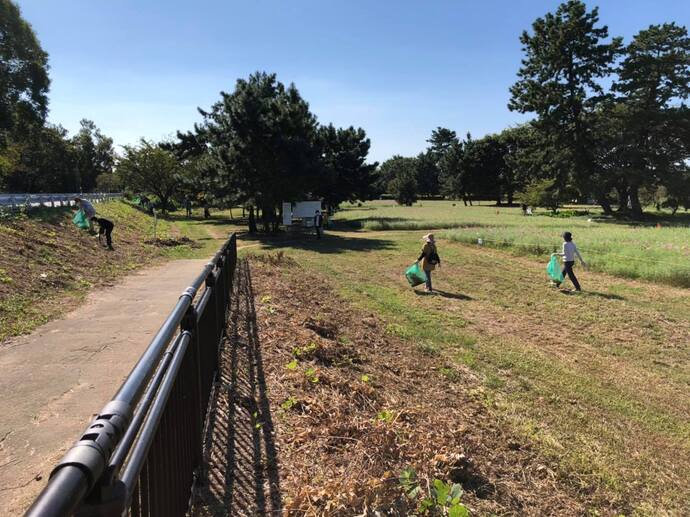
point(55, 379)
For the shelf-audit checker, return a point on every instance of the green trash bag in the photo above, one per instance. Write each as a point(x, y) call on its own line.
point(554, 269)
point(415, 275)
point(80, 220)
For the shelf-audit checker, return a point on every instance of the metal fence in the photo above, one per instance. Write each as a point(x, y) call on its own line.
point(142, 454)
point(22, 201)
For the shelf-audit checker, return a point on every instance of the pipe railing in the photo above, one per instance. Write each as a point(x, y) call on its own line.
point(26, 201)
point(142, 454)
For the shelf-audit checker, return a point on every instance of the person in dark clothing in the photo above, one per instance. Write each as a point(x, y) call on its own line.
point(188, 206)
point(207, 212)
point(318, 223)
point(105, 227)
point(523, 206)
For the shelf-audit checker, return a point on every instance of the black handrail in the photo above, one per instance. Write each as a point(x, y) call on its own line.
point(147, 440)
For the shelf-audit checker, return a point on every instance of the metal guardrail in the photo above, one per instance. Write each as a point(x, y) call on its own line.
point(19, 201)
point(141, 455)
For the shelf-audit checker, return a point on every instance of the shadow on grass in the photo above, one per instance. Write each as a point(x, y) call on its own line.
point(329, 243)
point(444, 294)
point(241, 463)
point(608, 296)
point(647, 220)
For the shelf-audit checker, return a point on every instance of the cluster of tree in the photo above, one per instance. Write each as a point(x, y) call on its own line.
point(260, 146)
point(257, 146)
point(35, 156)
point(611, 124)
point(613, 144)
point(492, 167)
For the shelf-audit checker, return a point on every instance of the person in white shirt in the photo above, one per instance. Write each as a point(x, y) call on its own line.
point(569, 253)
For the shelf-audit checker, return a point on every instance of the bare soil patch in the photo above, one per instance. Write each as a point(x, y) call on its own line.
point(318, 410)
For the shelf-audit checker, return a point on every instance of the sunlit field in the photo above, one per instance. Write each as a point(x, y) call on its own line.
point(657, 250)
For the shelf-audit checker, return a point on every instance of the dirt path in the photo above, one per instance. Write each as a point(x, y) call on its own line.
point(53, 380)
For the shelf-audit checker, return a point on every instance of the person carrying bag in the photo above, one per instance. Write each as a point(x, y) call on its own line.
point(429, 258)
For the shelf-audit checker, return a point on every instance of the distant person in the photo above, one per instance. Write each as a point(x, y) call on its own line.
point(529, 211)
point(524, 209)
point(207, 212)
point(429, 258)
point(188, 206)
point(569, 253)
point(88, 209)
point(105, 227)
point(318, 223)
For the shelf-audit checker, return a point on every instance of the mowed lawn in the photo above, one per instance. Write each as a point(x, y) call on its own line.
point(600, 380)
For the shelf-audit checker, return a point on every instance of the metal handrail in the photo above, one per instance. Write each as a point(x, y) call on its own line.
point(117, 442)
point(31, 200)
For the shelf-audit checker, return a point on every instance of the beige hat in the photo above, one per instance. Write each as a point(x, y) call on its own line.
point(429, 237)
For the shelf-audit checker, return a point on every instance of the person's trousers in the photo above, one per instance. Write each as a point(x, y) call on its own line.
point(428, 280)
point(318, 232)
point(568, 270)
point(108, 238)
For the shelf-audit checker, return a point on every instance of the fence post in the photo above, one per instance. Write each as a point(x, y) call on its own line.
point(190, 324)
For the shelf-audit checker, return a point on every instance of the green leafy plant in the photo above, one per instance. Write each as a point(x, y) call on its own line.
point(365, 378)
point(311, 375)
point(289, 403)
point(266, 299)
point(292, 365)
point(304, 350)
point(385, 416)
point(440, 498)
point(4, 277)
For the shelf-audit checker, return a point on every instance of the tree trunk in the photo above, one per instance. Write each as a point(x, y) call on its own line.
point(252, 220)
point(265, 219)
point(635, 206)
point(622, 199)
point(606, 206)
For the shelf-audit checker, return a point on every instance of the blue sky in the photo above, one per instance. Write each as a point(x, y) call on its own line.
point(396, 68)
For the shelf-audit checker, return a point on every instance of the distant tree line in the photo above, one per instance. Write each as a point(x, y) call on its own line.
point(611, 124)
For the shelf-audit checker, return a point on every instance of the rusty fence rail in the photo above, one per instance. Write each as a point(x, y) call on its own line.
point(143, 453)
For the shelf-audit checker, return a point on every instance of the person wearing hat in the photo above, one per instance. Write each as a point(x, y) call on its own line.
point(429, 258)
point(569, 253)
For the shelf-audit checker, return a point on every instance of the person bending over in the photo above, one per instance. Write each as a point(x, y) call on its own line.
point(105, 227)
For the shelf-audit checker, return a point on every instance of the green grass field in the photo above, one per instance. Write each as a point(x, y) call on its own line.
point(599, 381)
point(644, 250)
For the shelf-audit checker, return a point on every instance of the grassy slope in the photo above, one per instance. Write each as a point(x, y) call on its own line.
point(599, 381)
point(642, 251)
point(47, 265)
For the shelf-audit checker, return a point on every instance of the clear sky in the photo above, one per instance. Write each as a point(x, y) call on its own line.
point(396, 68)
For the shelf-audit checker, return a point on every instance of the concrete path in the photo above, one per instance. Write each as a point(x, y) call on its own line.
point(54, 380)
